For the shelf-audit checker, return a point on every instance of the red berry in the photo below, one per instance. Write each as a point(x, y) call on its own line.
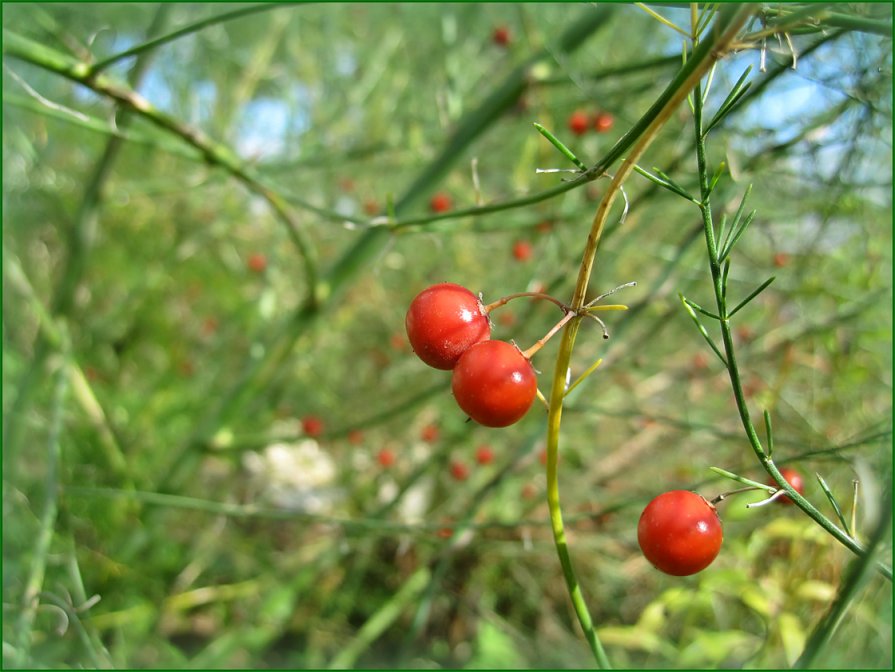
point(679, 533)
point(257, 262)
point(781, 259)
point(603, 122)
point(794, 478)
point(312, 425)
point(443, 321)
point(522, 250)
point(494, 383)
point(459, 471)
point(484, 455)
point(386, 458)
point(371, 207)
point(578, 122)
point(501, 36)
point(440, 202)
point(430, 433)
point(355, 436)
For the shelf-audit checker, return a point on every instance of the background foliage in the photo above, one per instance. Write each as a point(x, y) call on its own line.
point(154, 383)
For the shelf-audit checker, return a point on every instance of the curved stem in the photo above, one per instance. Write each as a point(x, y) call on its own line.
point(533, 295)
point(730, 20)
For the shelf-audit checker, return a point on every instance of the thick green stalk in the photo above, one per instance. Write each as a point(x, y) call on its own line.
point(730, 20)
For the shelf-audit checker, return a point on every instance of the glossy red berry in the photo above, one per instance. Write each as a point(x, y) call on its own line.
point(501, 36)
point(679, 533)
point(579, 122)
point(312, 425)
point(794, 478)
point(484, 455)
point(603, 122)
point(443, 321)
point(257, 262)
point(440, 202)
point(494, 383)
point(522, 250)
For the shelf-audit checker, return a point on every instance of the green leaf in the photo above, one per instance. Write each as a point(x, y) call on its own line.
point(792, 635)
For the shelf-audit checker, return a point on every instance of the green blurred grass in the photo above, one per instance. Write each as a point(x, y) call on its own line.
point(168, 318)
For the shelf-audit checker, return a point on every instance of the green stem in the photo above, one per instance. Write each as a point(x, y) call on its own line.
point(181, 32)
point(215, 153)
point(731, 362)
point(731, 18)
point(38, 564)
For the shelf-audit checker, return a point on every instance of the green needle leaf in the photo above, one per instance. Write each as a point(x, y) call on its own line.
point(705, 334)
point(565, 151)
point(755, 293)
point(833, 503)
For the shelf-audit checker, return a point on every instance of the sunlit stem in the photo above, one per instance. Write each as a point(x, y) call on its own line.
point(777, 495)
point(533, 295)
point(725, 495)
point(610, 292)
point(528, 354)
point(580, 379)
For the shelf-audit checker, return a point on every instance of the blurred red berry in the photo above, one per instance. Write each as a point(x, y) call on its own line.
point(312, 425)
point(346, 184)
point(522, 250)
point(459, 471)
point(355, 436)
point(371, 207)
point(544, 226)
point(603, 122)
point(386, 458)
point(440, 202)
point(257, 262)
point(578, 122)
point(501, 36)
point(484, 455)
point(781, 259)
point(794, 478)
point(430, 433)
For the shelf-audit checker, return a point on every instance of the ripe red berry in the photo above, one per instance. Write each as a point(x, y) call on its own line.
point(386, 458)
point(459, 471)
point(484, 455)
point(257, 262)
point(440, 202)
point(579, 122)
point(522, 250)
point(430, 433)
point(312, 425)
point(443, 321)
point(501, 36)
point(494, 383)
point(679, 533)
point(794, 478)
point(603, 122)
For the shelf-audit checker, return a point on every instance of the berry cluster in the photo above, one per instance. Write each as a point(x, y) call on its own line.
point(580, 122)
point(493, 381)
